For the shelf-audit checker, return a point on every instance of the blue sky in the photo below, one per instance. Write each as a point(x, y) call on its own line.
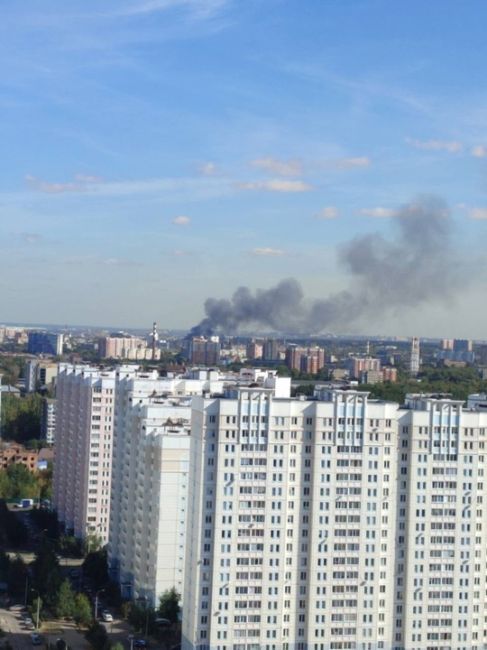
point(156, 152)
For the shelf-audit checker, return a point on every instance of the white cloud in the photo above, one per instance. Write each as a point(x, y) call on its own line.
point(207, 169)
point(479, 151)
point(189, 187)
point(451, 146)
point(379, 212)
point(330, 212)
point(200, 8)
point(88, 178)
point(478, 213)
point(279, 167)
point(276, 186)
point(117, 261)
point(351, 163)
point(267, 252)
point(30, 237)
point(81, 183)
point(181, 220)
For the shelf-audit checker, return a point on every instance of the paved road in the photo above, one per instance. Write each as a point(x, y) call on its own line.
point(17, 633)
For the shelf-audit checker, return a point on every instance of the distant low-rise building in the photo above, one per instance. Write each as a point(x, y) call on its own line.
point(40, 373)
point(13, 453)
point(45, 343)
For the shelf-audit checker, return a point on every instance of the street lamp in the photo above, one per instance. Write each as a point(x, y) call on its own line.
point(26, 588)
point(38, 607)
point(144, 598)
point(96, 601)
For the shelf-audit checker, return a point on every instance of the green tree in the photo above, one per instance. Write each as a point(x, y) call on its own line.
point(65, 601)
point(95, 567)
point(46, 573)
point(117, 646)
point(169, 605)
point(98, 637)
point(22, 482)
point(21, 417)
point(82, 610)
point(17, 576)
point(4, 566)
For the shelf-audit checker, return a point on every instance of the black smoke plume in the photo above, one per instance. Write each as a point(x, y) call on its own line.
point(415, 266)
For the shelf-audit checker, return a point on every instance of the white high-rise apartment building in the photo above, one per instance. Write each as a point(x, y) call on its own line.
point(414, 357)
point(290, 538)
point(149, 484)
point(83, 451)
point(337, 523)
point(151, 473)
point(441, 552)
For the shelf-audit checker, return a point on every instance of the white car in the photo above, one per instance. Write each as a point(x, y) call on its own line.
point(106, 616)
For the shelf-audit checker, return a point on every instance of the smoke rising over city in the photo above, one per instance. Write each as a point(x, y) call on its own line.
point(416, 265)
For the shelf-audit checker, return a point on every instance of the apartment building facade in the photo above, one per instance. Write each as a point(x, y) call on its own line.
point(290, 542)
point(83, 451)
point(338, 523)
point(149, 483)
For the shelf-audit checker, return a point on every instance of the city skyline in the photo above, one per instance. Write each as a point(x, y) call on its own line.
point(163, 152)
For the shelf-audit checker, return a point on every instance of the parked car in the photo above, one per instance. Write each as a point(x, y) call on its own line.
point(162, 622)
point(36, 638)
point(140, 643)
point(106, 616)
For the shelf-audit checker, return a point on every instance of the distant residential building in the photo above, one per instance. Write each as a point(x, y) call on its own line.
point(254, 350)
point(339, 373)
point(414, 357)
point(359, 365)
point(447, 344)
point(481, 355)
point(123, 346)
point(40, 373)
point(371, 377)
point(48, 420)
point(462, 345)
point(313, 360)
point(389, 374)
point(45, 343)
point(307, 360)
point(378, 376)
point(13, 453)
point(460, 351)
point(271, 350)
point(204, 351)
point(293, 357)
